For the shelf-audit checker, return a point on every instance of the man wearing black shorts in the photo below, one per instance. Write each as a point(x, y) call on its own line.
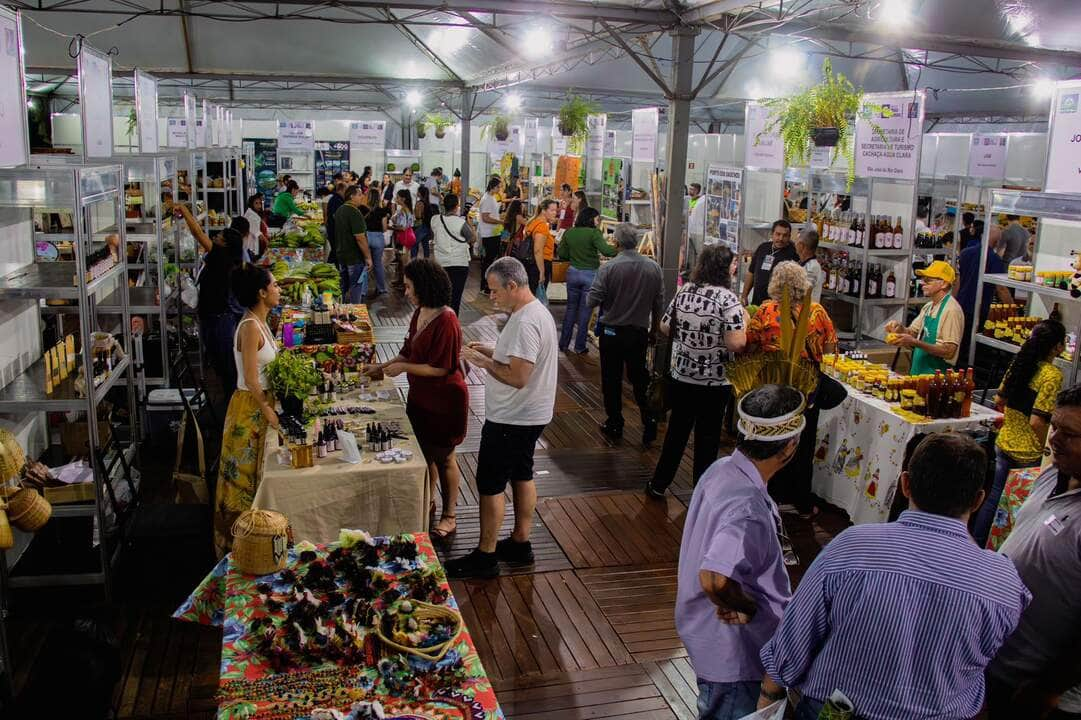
point(519, 395)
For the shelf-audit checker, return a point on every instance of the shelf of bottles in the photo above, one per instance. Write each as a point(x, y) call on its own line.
point(222, 185)
point(865, 243)
point(1040, 288)
point(77, 379)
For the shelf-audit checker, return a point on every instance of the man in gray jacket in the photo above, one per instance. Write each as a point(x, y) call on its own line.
point(630, 292)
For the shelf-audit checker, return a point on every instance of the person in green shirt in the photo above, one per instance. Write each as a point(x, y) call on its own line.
point(285, 205)
point(583, 245)
point(351, 245)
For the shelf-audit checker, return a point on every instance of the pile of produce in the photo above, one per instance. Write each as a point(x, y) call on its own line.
point(316, 277)
point(311, 236)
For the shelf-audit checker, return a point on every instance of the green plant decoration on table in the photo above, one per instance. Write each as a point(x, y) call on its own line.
point(421, 127)
point(574, 121)
point(822, 115)
point(499, 127)
point(292, 377)
point(439, 123)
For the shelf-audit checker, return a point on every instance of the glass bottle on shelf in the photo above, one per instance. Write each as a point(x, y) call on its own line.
point(898, 235)
point(857, 278)
point(825, 226)
point(861, 230)
point(852, 240)
point(872, 283)
point(891, 285)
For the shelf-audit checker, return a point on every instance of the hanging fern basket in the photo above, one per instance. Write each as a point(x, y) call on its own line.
point(440, 132)
point(565, 131)
point(825, 136)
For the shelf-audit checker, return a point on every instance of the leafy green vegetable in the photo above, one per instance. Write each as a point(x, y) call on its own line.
point(292, 374)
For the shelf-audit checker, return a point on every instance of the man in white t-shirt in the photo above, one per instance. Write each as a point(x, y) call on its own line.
point(490, 228)
point(519, 396)
point(807, 247)
point(407, 183)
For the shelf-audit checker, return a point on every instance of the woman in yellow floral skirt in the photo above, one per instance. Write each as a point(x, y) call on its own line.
point(251, 410)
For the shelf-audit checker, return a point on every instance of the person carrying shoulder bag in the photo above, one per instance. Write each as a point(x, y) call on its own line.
point(452, 238)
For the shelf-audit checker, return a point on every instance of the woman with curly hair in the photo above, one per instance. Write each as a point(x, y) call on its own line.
point(438, 404)
point(792, 483)
point(1027, 395)
point(707, 324)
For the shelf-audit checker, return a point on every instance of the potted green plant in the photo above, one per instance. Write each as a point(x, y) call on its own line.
point(822, 115)
point(439, 122)
point(133, 123)
point(574, 119)
point(499, 127)
point(292, 377)
point(422, 128)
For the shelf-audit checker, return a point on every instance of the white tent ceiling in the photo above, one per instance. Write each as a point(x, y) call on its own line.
point(368, 54)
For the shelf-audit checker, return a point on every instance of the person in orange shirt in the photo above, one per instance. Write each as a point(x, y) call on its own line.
point(540, 229)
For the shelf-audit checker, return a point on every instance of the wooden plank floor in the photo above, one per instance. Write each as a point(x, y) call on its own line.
point(586, 632)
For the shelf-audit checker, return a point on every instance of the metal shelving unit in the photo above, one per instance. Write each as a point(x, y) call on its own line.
point(95, 197)
point(1060, 207)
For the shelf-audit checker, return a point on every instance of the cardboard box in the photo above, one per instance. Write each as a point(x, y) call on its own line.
point(74, 437)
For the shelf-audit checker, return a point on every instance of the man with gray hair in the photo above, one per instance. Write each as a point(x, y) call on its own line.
point(519, 396)
point(630, 292)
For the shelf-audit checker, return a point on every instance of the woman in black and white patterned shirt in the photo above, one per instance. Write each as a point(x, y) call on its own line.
point(708, 326)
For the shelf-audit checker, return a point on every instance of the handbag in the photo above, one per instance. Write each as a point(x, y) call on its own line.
point(658, 396)
point(829, 393)
point(191, 488)
point(406, 238)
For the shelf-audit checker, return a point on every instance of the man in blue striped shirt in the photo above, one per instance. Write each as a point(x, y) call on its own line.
point(903, 618)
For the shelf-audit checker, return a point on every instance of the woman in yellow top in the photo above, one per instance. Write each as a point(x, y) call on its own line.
point(1028, 393)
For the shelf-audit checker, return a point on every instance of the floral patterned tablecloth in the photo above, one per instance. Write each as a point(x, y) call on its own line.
point(859, 450)
point(250, 687)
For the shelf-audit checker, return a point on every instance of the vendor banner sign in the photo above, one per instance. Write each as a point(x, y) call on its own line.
point(900, 118)
point(296, 135)
point(762, 150)
point(987, 156)
point(368, 135)
point(645, 123)
point(724, 192)
point(1064, 148)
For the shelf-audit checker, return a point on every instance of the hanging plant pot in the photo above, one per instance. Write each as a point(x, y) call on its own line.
point(420, 131)
point(502, 135)
point(292, 406)
point(440, 133)
point(565, 131)
point(825, 136)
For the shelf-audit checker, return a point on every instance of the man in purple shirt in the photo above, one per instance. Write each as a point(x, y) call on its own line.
point(733, 585)
point(902, 618)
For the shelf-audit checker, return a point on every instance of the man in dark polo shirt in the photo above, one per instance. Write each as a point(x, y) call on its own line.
point(766, 256)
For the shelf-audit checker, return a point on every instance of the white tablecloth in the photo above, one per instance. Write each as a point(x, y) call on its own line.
point(860, 448)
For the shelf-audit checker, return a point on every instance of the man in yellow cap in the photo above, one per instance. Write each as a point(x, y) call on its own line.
point(935, 334)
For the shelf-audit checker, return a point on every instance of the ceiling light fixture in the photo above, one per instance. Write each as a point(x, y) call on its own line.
point(895, 13)
point(538, 42)
point(786, 61)
point(1043, 88)
point(513, 102)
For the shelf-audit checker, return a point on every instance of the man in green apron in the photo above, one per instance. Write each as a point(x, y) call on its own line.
point(935, 334)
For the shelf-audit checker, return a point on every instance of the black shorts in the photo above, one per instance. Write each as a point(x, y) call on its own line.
point(506, 455)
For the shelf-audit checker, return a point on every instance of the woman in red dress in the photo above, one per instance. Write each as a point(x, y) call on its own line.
point(438, 405)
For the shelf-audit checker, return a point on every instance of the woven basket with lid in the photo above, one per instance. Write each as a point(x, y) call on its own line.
point(260, 542)
point(28, 510)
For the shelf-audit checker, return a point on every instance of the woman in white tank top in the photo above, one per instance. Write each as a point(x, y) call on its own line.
point(251, 408)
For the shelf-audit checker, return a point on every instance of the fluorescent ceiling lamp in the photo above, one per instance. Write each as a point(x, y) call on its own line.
point(538, 42)
point(513, 102)
point(413, 98)
point(1043, 88)
point(449, 39)
point(895, 13)
point(786, 61)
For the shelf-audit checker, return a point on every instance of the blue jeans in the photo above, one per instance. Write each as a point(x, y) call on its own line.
point(377, 242)
point(727, 701)
point(985, 516)
point(578, 310)
point(357, 290)
point(424, 236)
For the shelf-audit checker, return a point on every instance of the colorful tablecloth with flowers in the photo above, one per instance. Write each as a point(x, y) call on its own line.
point(1018, 486)
point(860, 448)
point(254, 684)
point(333, 357)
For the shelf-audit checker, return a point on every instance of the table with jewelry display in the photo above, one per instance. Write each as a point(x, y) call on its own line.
point(361, 628)
point(385, 492)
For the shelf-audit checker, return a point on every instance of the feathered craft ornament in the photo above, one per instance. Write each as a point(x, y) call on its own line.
point(784, 366)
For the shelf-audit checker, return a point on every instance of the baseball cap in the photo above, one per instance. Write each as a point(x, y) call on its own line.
point(939, 270)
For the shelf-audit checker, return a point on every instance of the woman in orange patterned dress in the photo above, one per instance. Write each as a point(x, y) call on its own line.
point(793, 483)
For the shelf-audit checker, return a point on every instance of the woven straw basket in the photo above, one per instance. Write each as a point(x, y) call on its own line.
point(12, 457)
point(29, 511)
point(426, 615)
point(260, 542)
